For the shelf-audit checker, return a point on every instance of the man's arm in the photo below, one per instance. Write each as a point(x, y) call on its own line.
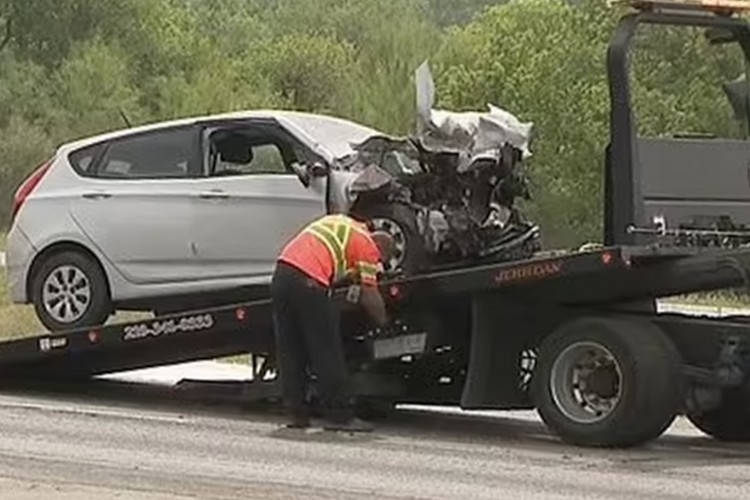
point(367, 259)
point(372, 302)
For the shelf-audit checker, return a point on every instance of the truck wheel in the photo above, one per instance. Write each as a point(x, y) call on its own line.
point(69, 291)
point(400, 222)
point(607, 382)
point(730, 421)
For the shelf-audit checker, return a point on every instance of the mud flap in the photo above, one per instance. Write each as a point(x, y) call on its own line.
point(501, 329)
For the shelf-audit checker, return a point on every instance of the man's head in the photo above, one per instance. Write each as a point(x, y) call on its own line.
point(385, 244)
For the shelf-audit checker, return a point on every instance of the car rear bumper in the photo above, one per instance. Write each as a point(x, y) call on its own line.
point(19, 256)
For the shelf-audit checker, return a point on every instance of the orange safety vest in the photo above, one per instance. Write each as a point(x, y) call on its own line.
point(333, 247)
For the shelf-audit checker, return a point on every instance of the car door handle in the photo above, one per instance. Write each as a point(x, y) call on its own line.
point(96, 195)
point(213, 195)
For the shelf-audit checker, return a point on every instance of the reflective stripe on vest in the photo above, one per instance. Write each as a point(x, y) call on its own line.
point(334, 234)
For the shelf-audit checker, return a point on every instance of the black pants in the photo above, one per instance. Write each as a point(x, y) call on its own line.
point(306, 323)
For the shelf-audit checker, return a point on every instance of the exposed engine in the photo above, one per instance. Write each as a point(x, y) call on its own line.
point(470, 212)
point(463, 210)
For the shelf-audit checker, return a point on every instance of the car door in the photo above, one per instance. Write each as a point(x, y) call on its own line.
point(251, 201)
point(136, 205)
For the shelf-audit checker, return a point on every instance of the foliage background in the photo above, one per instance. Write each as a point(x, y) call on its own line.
point(67, 68)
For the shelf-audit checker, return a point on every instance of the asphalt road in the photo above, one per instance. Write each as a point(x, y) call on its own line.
point(103, 442)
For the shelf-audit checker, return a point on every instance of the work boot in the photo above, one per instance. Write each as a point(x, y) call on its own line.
point(353, 424)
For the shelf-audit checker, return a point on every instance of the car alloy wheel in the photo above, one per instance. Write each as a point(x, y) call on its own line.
point(66, 294)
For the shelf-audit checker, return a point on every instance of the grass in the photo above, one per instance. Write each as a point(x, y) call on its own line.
point(238, 359)
point(730, 299)
point(3, 238)
point(15, 321)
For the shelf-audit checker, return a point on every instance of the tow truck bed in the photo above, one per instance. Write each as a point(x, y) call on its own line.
point(598, 278)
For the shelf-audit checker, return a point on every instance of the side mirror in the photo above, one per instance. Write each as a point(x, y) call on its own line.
point(317, 169)
point(307, 172)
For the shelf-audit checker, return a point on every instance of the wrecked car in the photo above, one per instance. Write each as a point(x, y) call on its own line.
point(190, 213)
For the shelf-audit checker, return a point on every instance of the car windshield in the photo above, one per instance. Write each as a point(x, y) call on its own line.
point(334, 134)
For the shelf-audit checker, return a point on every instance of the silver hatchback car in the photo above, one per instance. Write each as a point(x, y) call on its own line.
point(178, 209)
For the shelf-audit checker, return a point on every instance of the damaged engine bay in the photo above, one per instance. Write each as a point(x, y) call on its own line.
point(447, 195)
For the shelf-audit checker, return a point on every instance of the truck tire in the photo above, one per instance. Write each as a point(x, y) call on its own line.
point(69, 290)
point(400, 222)
point(730, 421)
point(607, 382)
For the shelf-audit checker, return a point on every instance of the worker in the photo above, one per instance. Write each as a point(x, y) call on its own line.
point(331, 250)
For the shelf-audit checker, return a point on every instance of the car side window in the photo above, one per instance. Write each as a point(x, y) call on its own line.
point(249, 159)
point(163, 154)
point(252, 149)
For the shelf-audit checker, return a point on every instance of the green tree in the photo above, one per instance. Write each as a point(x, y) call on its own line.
point(22, 148)
point(310, 72)
point(457, 12)
point(90, 90)
point(544, 61)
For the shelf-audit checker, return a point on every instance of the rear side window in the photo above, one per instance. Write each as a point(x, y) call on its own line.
point(84, 160)
point(156, 155)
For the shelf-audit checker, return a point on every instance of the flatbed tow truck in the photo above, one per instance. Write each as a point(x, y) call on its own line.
point(574, 334)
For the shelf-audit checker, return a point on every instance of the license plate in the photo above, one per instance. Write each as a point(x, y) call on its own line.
point(399, 346)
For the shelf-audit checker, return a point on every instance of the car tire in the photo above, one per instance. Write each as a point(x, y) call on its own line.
point(728, 422)
point(638, 391)
point(400, 222)
point(69, 291)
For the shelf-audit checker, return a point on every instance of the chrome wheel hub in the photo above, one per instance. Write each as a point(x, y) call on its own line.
point(586, 382)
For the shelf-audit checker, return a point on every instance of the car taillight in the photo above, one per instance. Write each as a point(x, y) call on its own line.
point(28, 186)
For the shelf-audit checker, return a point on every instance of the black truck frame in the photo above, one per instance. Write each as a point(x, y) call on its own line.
point(576, 334)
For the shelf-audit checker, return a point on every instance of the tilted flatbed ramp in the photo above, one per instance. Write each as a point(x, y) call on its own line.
point(607, 275)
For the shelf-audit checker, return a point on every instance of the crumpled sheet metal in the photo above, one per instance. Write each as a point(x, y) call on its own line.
point(469, 134)
point(345, 186)
point(362, 172)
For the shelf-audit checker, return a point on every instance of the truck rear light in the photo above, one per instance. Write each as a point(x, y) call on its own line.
point(94, 336)
point(240, 314)
point(28, 186)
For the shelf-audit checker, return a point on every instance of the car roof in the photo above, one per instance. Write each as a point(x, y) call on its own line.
point(283, 116)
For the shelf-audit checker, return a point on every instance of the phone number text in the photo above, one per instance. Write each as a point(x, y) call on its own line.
point(168, 327)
